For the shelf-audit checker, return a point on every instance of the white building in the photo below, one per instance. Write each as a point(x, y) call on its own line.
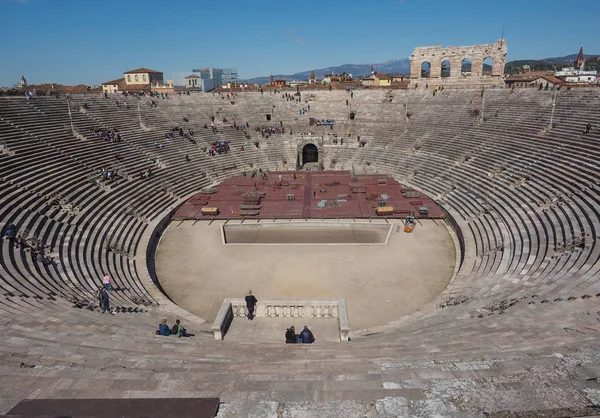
point(577, 74)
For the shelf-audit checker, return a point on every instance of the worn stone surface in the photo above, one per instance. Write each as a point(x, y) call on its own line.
point(436, 55)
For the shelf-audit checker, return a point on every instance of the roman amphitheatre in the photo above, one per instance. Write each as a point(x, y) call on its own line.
point(489, 306)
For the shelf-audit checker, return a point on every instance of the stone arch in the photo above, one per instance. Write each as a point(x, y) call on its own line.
point(435, 55)
point(425, 69)
point(446, 68)
point(466, 66)
point(487, 66)
point(310, 154)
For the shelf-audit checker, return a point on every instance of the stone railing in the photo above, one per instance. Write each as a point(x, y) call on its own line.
point(293, 308)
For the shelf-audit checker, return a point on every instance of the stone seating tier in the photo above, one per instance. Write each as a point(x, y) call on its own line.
point(525, 193)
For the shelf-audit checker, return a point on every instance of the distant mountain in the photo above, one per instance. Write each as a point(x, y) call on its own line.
point(515, 67)
point(402, 66)
point(395, 66)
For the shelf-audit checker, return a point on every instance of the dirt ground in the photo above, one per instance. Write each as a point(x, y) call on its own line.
point(380, 283)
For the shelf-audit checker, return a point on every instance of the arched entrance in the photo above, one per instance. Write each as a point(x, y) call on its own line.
point(466, 67)
point(446, 70)
point(488, 64)
point(425, 69)
point(310, 154)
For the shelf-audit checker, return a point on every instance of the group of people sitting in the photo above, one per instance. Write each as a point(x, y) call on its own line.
point(324, 122)
point(267, 131)
point(109, 135)
point(218, 147)
point(178, 330)
point(107, 175)
point(305, 337)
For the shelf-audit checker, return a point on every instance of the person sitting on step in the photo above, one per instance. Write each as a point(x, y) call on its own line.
point(163, 329)
point(290, 336)
point(178, 329)
point(306, 336)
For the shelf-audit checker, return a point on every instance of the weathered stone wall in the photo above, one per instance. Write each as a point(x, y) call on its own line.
point(436, 55)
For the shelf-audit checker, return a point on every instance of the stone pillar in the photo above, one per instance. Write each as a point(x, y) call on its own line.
point(477, 67)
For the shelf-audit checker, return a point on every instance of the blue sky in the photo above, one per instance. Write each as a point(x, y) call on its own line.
point(89, 41)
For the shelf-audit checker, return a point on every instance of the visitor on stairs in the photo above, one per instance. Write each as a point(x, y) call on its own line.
point(290, 336)
point(163, 329)
point(105, 301)
point(178, 329)
point(106, 282)
point(250, 304)
point(306, 336)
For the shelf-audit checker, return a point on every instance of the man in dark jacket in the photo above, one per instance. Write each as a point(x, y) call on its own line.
point(250, 304)
point(306, 336)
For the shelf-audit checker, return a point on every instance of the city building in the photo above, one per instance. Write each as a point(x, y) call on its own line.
point(193, 81)
point(377, 80)
point(140, 79)
point(577, 73)
point(533, 79)
point(209, 78)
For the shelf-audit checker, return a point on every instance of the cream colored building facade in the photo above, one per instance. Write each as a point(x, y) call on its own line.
point(140, 79)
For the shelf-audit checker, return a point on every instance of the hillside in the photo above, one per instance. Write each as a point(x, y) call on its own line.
point(394, 66)
point(402, 66)
point(515, 67)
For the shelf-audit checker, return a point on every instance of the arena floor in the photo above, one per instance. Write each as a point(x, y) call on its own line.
point(380, 282)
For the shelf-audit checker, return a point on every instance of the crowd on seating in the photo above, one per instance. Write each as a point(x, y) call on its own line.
point(187, 133)
point(324, 122)
point(296, 97)
point(267, 131)
point(109, 135)
point(108, 175)
point(218, 147)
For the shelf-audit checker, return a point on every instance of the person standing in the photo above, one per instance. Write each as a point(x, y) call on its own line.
point(105, 301)
point(250, 304)
point(106, 282)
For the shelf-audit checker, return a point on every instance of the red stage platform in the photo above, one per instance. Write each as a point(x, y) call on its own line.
point(317, 194)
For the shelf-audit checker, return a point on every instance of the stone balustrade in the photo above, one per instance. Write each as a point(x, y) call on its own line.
point(293, 308)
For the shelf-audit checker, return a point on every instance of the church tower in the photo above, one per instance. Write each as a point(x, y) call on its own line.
point(579, 62)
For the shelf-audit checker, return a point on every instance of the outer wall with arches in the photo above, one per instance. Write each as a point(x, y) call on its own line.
point(458, 62)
